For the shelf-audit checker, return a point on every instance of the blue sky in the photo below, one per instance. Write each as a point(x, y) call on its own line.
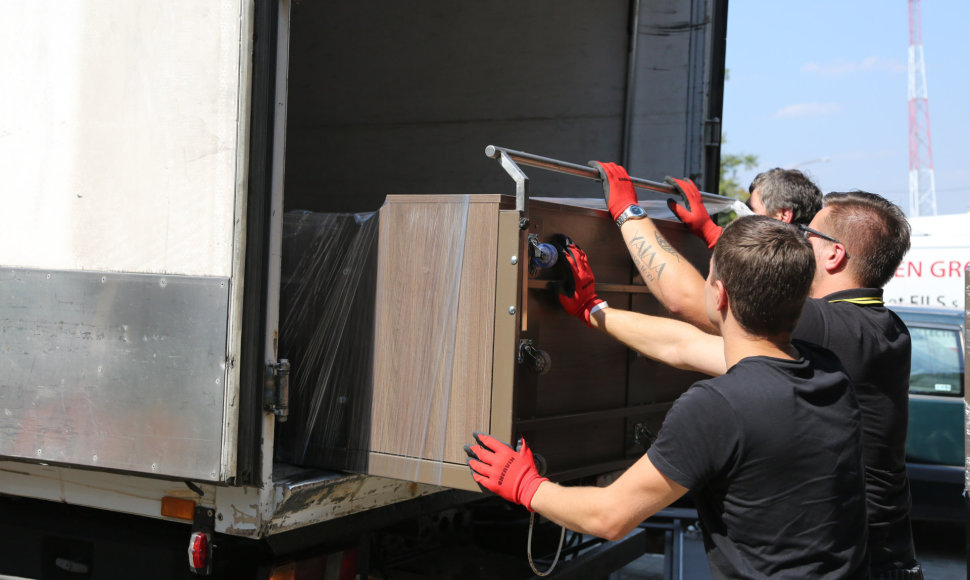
point(822, 85)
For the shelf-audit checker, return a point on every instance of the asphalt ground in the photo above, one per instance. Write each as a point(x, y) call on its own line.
point(941, 547)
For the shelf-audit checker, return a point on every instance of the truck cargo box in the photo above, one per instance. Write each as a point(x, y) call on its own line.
point(149, 153)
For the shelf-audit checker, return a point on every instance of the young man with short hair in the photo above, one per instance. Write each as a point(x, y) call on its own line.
point(771, 450)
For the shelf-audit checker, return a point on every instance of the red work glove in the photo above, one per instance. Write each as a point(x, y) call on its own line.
point(509, 473)
point(578, 296)
point(695, 214)
point(617, 187)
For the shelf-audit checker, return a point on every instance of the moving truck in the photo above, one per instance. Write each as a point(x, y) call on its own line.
point(153, 158)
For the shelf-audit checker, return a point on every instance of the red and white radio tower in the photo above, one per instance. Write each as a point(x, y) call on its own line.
point(922, 183)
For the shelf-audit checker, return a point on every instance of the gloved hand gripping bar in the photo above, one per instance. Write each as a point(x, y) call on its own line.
point(510, 160)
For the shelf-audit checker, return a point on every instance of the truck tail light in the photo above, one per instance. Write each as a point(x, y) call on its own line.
point(200, 548)
point(348, 565)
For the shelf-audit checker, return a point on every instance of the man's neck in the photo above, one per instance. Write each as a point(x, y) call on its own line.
point(739, 345)
point(826, 285)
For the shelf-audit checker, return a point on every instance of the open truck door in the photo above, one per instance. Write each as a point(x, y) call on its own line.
point(123, 235)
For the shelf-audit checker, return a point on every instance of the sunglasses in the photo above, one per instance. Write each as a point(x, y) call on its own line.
point(809, 230)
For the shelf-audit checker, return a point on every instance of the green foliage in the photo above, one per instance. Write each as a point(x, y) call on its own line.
point(730, 164)
point(728, 179)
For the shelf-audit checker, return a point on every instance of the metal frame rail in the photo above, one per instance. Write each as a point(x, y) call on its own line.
point(596, 558)
point(681, 559)
point(510, 160)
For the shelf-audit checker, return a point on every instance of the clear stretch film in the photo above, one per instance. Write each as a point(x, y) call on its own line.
point(423, 248)
point(656, 208)
point(345, 313)
point(327, 305)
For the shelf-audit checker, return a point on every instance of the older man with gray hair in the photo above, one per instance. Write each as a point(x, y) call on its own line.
point(784, 194)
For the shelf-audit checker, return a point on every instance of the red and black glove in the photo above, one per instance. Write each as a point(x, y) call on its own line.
point(694, 215)
point(578, 295)
point(617, 187)
point(509, 473)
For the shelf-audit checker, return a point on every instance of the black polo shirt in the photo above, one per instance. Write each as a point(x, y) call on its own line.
point(874, 346)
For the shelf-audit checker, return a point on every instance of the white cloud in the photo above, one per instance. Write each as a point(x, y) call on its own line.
point(842, 67)
point(803, 110)
point(870, 155)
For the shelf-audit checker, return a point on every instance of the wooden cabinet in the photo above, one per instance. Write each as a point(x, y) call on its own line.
point(457, 314)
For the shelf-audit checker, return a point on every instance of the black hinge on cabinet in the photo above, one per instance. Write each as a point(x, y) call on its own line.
point(276, 391)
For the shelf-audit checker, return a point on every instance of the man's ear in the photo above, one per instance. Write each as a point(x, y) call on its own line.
point(720, 296)
point(785, 214)
point(841, 258)
point(834, 258)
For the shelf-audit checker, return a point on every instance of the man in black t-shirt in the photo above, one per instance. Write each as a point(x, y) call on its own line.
point(859, 240)
point(772, 450)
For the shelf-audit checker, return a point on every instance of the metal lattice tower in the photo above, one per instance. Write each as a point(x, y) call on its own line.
point(922, 183)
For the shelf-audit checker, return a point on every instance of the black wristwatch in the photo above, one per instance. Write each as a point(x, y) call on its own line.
point(634, 212)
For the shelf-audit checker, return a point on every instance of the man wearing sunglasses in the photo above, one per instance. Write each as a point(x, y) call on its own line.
point(859, 239)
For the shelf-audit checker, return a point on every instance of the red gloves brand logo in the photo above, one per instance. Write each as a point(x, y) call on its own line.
point(505, 470)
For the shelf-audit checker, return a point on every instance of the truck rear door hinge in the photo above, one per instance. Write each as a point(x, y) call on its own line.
point(712, 132)
point(276, 391)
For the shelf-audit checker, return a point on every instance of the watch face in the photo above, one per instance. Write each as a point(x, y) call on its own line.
point(631, 213)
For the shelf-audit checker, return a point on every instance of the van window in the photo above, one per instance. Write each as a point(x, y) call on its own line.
point(936, 366)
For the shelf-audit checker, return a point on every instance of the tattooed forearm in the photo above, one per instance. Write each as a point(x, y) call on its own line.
point(664, 244)
point(647, 258)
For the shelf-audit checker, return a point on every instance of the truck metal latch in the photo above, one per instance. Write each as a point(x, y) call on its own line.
point(276, 391)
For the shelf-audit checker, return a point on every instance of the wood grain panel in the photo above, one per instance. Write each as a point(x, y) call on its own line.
point(435, 307)
point(471, 384)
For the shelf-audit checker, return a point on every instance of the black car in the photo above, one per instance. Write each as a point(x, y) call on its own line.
point(935, 453)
